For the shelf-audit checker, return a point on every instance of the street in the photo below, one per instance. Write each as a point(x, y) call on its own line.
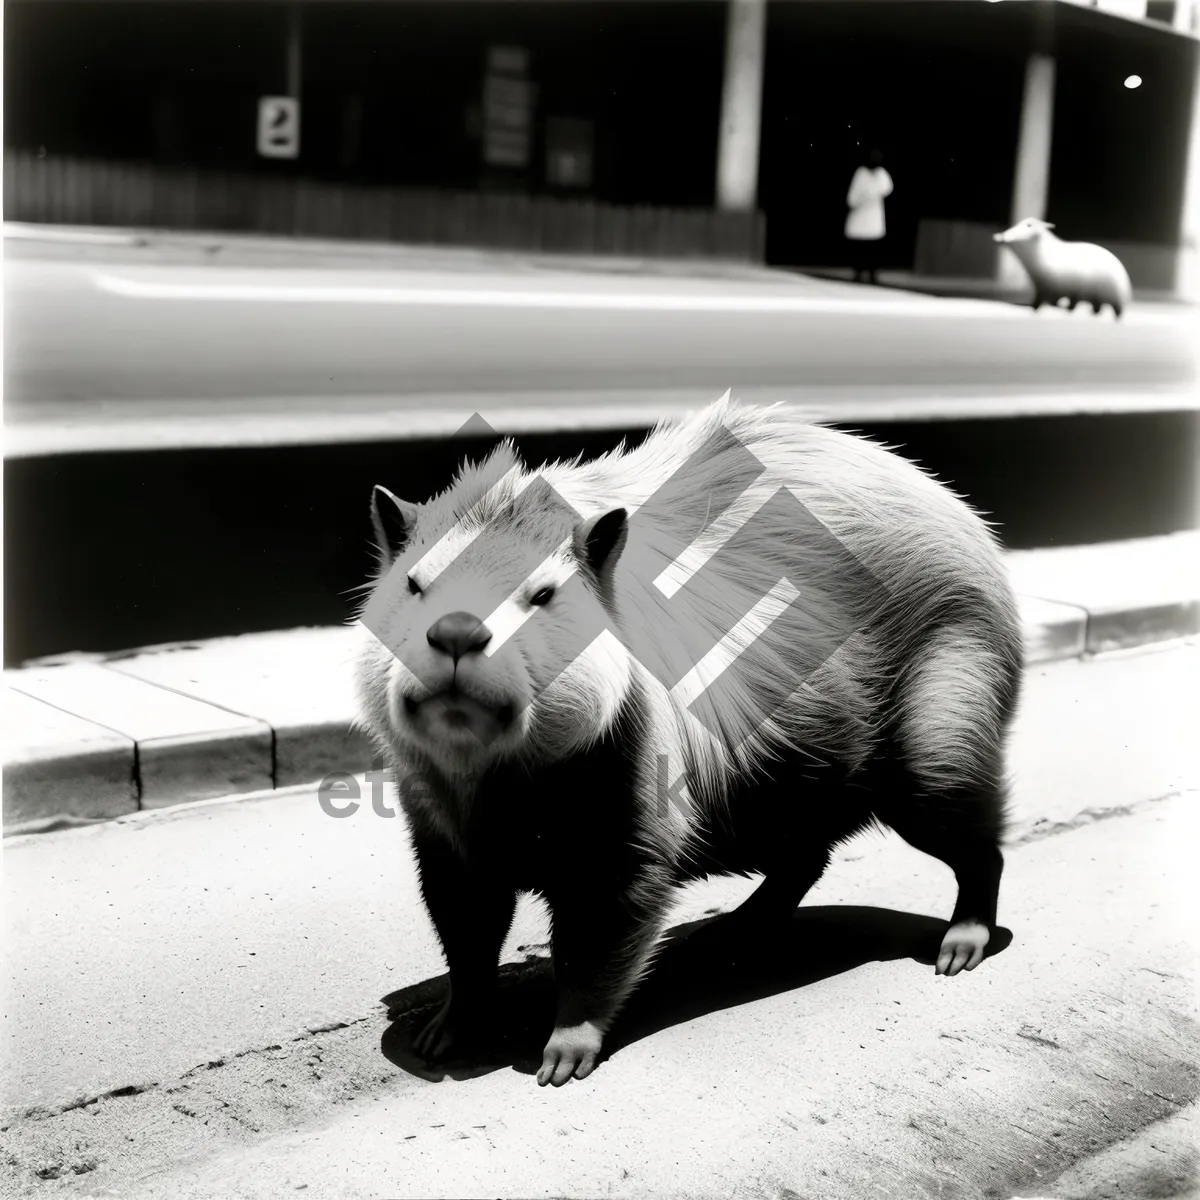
point(126, 326)
point(253, 1057)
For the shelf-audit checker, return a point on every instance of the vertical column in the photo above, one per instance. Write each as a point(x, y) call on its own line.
point(1187, 272)
point(741, 105)
point(1031, 183)
point(1184, 18)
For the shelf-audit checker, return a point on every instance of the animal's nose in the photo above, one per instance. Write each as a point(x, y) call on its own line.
point(457, 634)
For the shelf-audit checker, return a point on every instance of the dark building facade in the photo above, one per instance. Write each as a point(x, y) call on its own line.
point(391, 93)
point(616, 104)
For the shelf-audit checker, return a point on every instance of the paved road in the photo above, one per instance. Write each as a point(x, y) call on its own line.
point(119, 325)
point(220, 969)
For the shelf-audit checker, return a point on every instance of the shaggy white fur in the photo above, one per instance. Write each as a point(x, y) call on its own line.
point(753, 534)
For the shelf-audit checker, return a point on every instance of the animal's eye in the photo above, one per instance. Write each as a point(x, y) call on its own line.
point(544, 596)
point(414, 587)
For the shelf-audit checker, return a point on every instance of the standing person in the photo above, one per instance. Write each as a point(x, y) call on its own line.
point(865, 223)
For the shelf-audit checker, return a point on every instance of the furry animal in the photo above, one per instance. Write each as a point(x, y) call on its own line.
point(723, 651)
point(1078, 271)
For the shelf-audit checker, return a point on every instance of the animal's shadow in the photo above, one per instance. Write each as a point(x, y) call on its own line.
point(704, 966)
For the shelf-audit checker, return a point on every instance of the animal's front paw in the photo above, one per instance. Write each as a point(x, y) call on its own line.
point(465, 1023)
point(962, 947)
point(438, 1035)
point(571, 1052)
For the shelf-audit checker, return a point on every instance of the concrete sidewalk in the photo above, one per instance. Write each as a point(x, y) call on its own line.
point(230, 249)
point(95, 737)
point(1063, 1073)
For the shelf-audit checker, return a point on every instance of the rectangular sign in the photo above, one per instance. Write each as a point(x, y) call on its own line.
point(278, 127)
point(568, 153)
point(507, 115)
point(508, 102)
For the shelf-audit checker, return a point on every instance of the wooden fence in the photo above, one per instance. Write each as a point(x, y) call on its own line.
point(71, 191)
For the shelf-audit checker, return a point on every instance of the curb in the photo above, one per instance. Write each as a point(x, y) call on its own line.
point(93, 737)
point(973, 287)
point(77, 428)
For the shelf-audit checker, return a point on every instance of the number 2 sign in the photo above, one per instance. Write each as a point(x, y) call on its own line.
point(278, 127)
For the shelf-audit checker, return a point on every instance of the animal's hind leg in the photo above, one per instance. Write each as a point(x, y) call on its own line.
point(782, 889)
point(789, 837)
point(944, 827)
point(956, 704)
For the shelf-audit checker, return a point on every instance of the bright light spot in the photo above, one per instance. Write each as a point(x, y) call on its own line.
point(1133, 81)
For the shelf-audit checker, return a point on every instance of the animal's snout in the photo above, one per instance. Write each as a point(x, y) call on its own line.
point(458, 634)
point(997, 237)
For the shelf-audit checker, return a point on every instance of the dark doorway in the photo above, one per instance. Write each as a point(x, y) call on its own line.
point(936, 86)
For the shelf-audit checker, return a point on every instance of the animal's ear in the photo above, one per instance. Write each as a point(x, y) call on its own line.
point(599, 542)
point(392, 520)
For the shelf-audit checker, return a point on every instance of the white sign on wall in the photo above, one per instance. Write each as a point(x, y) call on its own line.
point(508, 100)
point(278, 127)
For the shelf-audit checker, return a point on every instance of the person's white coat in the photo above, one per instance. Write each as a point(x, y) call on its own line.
point(868, 190)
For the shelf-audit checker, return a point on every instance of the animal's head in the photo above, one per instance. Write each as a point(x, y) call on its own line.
point(1029, 230)
point(488, 598)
